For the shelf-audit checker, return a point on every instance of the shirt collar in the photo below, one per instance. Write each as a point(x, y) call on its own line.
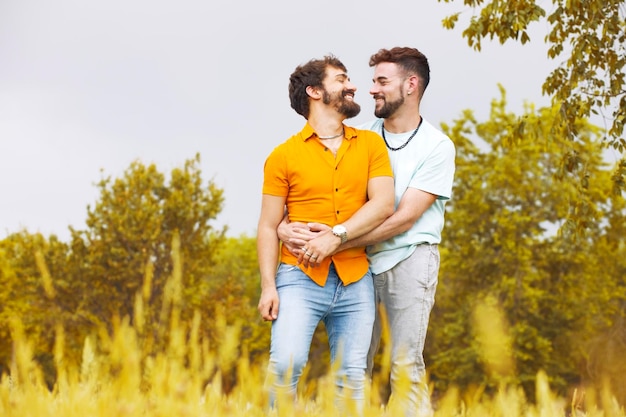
point(307, 132)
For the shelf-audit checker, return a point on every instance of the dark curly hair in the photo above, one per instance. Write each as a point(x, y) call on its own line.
point(310, 74)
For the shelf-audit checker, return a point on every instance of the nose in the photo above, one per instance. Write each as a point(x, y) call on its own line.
point(374, 89)
point(351, 86)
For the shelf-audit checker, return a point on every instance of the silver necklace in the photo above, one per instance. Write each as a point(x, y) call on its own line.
point(407, 141)
point(331, 137)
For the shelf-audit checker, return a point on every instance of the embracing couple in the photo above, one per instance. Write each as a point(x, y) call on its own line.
point(359, 212)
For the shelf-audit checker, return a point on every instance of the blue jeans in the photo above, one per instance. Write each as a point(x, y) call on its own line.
point(407, 294)
point(348, 314)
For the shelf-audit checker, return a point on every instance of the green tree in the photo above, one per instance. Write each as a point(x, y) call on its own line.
point(591, 32)
point(126, 250)
point(589, 37)
point(501, 246)
point(149, 254)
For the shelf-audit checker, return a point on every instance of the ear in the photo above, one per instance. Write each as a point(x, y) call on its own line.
point(313, 92)
point(414, 84)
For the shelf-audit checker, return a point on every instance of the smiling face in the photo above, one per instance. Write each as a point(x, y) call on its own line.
point(339, 92)
point(388, 89)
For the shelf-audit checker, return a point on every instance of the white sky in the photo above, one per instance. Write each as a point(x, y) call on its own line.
point(88, 86)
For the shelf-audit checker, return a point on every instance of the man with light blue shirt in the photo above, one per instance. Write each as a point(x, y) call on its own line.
point(403, 251)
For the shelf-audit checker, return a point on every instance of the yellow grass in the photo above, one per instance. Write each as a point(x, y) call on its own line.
point(116, 377)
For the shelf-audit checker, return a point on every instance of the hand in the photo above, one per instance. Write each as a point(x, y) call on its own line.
point(296, 234)
point(317, 249)
point(318, 227)
point(268, 304)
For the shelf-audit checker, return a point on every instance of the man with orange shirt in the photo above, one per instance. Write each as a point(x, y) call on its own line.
point(336, 175)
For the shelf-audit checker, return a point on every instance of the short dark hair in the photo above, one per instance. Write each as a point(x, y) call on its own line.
point(310, 74)
point(410, 60)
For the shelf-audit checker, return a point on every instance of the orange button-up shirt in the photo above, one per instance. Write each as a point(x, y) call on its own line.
point(323, 188)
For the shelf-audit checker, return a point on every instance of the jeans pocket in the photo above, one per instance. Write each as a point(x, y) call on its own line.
point(286, 268)
point(286, 275)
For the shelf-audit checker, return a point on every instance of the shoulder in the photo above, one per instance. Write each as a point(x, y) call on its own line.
point(434, 132)
point(360, 132)
point(365, 137)
point(285, 149)
point(299, 138)
point(292, 142)
point(436, 136)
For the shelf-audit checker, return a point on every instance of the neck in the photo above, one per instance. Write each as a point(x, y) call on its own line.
point(403, 120)
point(326, 126)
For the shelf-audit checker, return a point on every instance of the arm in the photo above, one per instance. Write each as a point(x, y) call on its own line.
point(267, 250)
point(413, 204)
point(436, 176)
point(379, 206)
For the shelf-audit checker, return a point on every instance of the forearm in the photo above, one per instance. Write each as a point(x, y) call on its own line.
point(367, 218)
point(390, 227)
point(267, 253)
point(267, 249)
point(413, 204)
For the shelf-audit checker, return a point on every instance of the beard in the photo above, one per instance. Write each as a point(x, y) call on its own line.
point(389, 107)
point(346, 107)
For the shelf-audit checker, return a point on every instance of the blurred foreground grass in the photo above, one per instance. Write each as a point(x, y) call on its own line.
point(119, 375)
point(116, 379)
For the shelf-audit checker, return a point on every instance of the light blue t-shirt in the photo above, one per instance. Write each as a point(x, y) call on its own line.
point(427, 164)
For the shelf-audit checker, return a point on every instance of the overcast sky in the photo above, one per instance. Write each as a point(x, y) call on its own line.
point(88, 86)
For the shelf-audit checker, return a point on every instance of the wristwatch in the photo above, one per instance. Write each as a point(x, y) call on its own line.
point(341, 232)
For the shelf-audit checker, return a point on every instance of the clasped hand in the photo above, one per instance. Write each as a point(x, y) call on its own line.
point(310, 242)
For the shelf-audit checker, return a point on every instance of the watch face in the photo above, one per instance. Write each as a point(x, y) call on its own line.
point(341, 232)
point(340, 229)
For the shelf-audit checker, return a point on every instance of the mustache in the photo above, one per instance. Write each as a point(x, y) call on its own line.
point(348, 92)
point(377, 96)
